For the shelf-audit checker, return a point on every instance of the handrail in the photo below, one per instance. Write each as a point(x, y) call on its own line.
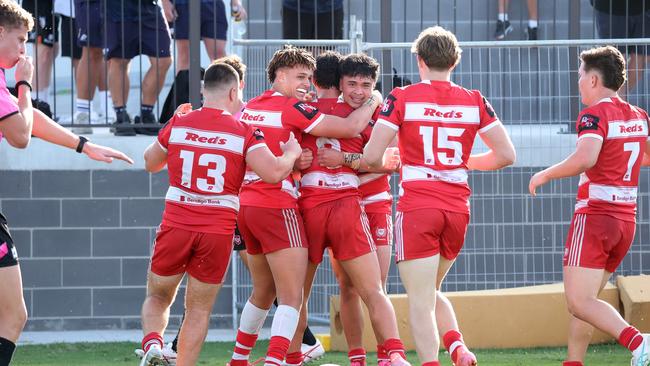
point(510, 44)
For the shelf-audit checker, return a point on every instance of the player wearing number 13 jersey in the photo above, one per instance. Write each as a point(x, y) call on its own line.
point(206, 151)
point(436, 122)
point(612, 146)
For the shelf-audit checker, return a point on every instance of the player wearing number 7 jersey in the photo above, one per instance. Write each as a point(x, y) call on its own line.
point(436, 122)
point(206, 151)
point(612, 146)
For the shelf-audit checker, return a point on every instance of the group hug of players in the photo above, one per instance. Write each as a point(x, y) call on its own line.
point(234, 163)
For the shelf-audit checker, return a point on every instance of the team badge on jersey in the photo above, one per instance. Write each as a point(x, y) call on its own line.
point(381, 232)
point(488, 108)
point(306, 109)
point(588, 122)
point(259, 135)
point(388, 105)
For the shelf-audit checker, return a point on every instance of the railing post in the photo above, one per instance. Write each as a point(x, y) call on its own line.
point(195, 54)
point(355, 34)
point(386, 37)
point(574, 63)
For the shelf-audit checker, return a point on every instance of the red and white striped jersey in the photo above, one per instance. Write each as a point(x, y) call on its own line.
point(206, 152)
point(437, 122)
point(320, 184)
point(276, 115)
point(610, 186)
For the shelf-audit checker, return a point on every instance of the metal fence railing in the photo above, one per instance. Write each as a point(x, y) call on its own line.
point(513, 239)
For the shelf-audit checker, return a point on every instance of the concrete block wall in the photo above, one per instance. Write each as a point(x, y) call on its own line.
point(84, 239)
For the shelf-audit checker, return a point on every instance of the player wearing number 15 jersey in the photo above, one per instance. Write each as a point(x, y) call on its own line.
point(436, 122)
point(612, 146)
point(206, 151)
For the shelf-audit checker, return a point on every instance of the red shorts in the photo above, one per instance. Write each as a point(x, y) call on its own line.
point(426, 232)
point(341, 225)
point(598, 241)
point(266, 230)
point(205, 256)
point(381, 228)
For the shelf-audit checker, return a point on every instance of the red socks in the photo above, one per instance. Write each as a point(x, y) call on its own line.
point(432, 363)
point(572, 363)
point(394, 345)
point(243, 346)
point(294, 358)
point(382, 355)
point(452, 341)
point(630, 338)
point(278, 347)
point(357, 356)
point(151, 339)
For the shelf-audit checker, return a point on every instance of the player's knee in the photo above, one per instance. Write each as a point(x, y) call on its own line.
point(291, 298)
point(14, 319)
point(162, 63)
point(347, 290)
point(575, 305)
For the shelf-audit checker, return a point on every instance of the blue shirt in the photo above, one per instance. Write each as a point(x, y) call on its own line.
point(307, 6)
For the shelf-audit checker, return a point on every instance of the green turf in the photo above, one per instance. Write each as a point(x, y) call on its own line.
point(105, 354)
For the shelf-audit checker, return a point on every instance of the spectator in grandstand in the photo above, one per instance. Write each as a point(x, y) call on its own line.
point(214, 27)
point(358, 75)
point(45, 38)
point(278, 249)
point(625, 19)
point(612, 146)
point(136, 27)
point(91, 73)
point(18, 122)
point(433, 211)
point(503, 23)
point(200, 214)
point(312, 19)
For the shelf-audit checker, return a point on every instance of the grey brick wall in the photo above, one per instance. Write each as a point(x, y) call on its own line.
point(84, 248)
point(84, 240)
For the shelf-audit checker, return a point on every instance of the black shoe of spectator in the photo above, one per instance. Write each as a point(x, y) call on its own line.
point(532, 33)
point(146, 125)
point(123, 126)
point(503, 28)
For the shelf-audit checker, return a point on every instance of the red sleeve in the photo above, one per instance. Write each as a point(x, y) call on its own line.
point(365, 134)
point(165, 133)
point(591, 124)
point(488, 117)
point(301, 115)
point(391, 113)
point(254, 139)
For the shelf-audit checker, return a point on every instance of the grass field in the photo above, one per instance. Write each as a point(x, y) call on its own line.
point(218, 353)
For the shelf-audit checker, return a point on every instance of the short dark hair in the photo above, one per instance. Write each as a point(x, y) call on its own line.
point(219, 75)
point(609, 62)
point(289, 56)
point(359, 64)
point(236, 63)
point(438, 48)
point(326, 74)
point(13, 15)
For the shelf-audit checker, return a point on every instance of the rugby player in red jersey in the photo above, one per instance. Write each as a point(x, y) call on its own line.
point(436, 122)
point(612, 146)
point(334, 219)
point(207, 153)
point(269, 220)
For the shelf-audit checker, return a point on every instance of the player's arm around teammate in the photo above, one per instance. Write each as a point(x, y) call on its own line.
point(612, 145)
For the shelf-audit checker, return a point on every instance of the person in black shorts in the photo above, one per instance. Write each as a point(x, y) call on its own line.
point(214, 27)
point(45, 38)
point(136, 27)
point(625, 19)
point(312, 19)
